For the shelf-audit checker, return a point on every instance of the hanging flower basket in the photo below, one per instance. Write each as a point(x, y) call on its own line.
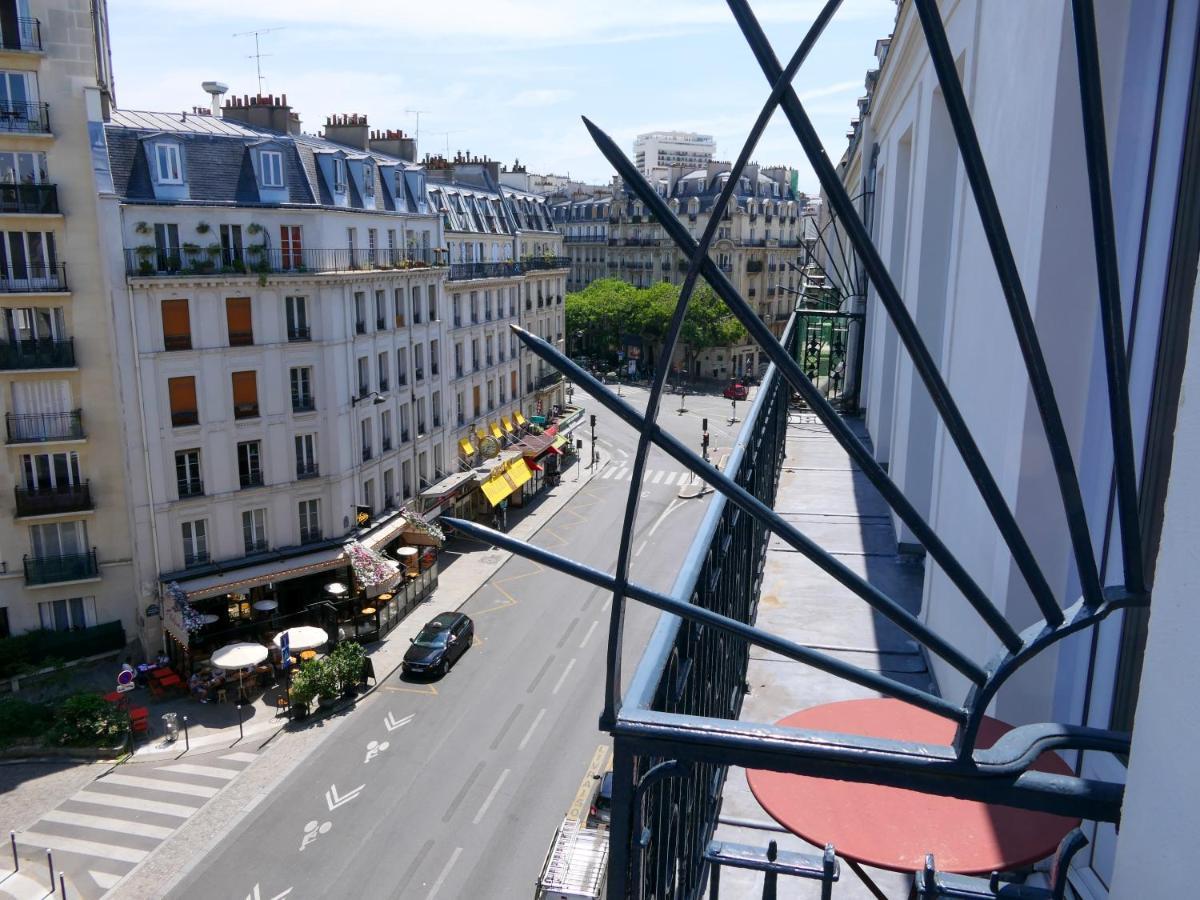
point(192, 620)
point(368, 566)
point(421, 524)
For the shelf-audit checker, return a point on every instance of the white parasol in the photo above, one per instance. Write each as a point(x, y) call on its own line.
point(238, 656)
point(266, 605)
point(302, 637)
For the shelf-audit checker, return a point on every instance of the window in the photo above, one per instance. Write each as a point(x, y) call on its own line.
point(66, 615)
point(420, 416)
point(403, 423)
point(182, 393)
point(364, 376)
point(245, 395)
point(50, 471)
point(249, 455)
point(381, 310)
point(176, 324)
point(419, 361)
point(360, 312)
point(352, 245)
point(368, 180)
point(433, 358)
point(310, 521)
point(399, 299)
point(515, 391)
point(302, 396)
point(306, 456)
point(369, 494)
point(401, 367)
point(167, 164)
point(58, 539)
point(385, 430)
point(458, 408)
point(195, 542)
point(187, 473)
point(339, 175)
point(406, 477)
point(431, 296)
point(367, 452)
point(166, 246)
point(254, 530)
point(389, 488)
point(436, 404)
point(231, 245)
point(383, 370)
point(491, 394)
point(23, 168)
point(372, 243)
point(423, 468)
point(475, 354)
point(416, 304)
point(297, 318)
point(291, 251)
point(475, 401)
point(237, 318)
point(271, 162)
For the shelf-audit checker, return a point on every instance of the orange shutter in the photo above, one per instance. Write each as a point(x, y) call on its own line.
point(516, 393)
point(475, 395)
point(177, 327)
point(237, 315)
point(183, 394)
point(245, 389)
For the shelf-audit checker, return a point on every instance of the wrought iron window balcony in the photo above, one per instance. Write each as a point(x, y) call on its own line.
point(55, 569)
point(437, 421)
point(241, 339)
point(360, 327)
point(44, 427)
point(38, 354)
point(255, 547)
point(310, 535)
point(469, 271)
point(48, 501)
point(34, 278)
point(27, 35)
point(433, 370)
point(381, 324)
point(419, 374)
point(299, 333)
point(366, 454)
point(546, 262)
point(251, 479)
point(754, 265)
point(24, 118)
point(184, 417)
point(421, 431)
point(548, 380)
point(305, 471)
point(29, 199)
point(404, 436)
point(256, 259)
point(457, 321)
point(462, 420)
point(416, 318)
point(402, 380)
point(383, 385)
point(191, 560)
point(490, 361)
point(177, 342)
point(385, 445)
point(190, 487)
point(528, 304)
point(245, 410)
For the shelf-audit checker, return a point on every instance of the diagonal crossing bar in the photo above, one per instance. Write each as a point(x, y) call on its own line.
point(906, 328)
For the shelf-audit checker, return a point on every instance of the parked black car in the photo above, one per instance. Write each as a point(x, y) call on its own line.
point(439, 644)
point(601, 810)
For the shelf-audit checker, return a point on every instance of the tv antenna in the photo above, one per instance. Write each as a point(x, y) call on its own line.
point(446, 135)
point(258, 55)
point(417, 130)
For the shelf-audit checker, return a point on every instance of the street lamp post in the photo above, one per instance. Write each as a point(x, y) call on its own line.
point(593, 462)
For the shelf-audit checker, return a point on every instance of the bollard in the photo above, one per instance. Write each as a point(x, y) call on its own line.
point(240, 734)
point(12, 836)
point(50, 863)
point(186, 746)
point(62, 886)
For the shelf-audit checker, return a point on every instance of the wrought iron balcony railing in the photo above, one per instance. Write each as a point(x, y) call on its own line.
point(24, 34)
point(43, 427)
point(307, 403)
point(535, 263)
point(38, 354)
point(307, 470)
point(33, 278)
point(29, 199)
point(189, 487)
point(469, 271)
point(48, 501)
point(55, 569)
point(149, 261)
point(24, 117)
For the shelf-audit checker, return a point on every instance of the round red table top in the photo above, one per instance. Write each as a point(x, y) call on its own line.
point(893, 828)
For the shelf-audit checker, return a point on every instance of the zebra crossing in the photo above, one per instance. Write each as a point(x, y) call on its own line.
point(623, 471)
point(105, 829)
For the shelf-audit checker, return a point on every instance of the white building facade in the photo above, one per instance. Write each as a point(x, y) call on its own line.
point(925, 222)
point(656, 151)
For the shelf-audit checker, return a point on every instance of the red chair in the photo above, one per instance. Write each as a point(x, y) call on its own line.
point(139, 720)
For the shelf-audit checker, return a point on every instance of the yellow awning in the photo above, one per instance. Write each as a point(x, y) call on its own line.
point(496, 432)
point(520, 418)
point(519, 473)
point(507, 424)
point(496, 489)
point(480, 434)
point(559, 442)
point(464, 444)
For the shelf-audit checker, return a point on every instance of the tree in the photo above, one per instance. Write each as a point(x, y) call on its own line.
point(708, 323)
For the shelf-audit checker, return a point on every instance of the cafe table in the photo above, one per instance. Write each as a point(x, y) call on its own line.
point(893, 828)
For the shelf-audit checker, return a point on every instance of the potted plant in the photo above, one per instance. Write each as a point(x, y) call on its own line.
point(348, 659)
point(254, 228)
point(142, 228)
point(304, 689)
point(144, 252)
point(326, 680)
point(203, 228)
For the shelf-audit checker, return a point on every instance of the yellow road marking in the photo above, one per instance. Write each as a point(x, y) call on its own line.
point(428, 689)
point(509, 599)
point(584, 794)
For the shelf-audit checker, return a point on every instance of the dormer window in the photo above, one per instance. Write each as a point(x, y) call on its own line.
point(167, 163)
point(271, 162)
point(368, 179)
point(339, 174)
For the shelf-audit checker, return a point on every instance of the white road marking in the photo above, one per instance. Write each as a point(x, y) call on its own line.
point(156, 784)
point(606, 473)
point(658, 476)
point(537, 721)
point(106, 823)
point(607, 604)
point(641, 547)
point(76, 845)
point(334, 801)
point(106, 880)
point(622, 474)
point(563, 676)
point(241, 757)
point(587, 636)
point(490, 797)
point(135, 804)
point(208, 771)
point(21, 887)
point(671, 507)
point(437, 885)
point(670, 479)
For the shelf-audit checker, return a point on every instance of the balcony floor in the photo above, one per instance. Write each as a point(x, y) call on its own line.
point(828, 498)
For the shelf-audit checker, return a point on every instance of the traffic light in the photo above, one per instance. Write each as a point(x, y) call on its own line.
point(593, 420)
point(704, 424)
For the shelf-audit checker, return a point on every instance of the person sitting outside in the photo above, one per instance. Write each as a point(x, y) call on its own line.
point(197, 687)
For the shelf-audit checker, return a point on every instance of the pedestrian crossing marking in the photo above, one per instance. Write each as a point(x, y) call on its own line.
point(159, 784)
point(241, 757)
point(657, 477)
point(103, 823)
point(106, 880)
point(207, 771)
point(78, 845)
point(652, 476)
point(670, 479)
point(100, 798)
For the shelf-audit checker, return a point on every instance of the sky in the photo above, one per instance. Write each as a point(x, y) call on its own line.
point(507, 78)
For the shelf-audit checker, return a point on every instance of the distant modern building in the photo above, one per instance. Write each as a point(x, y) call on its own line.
point(657, 151)
point(761, 245)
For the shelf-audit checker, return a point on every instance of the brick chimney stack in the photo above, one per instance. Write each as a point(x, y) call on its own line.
point(268, 112)
point(350, 129)
point(394, 143)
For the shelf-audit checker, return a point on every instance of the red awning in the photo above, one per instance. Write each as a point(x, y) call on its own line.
point(533, 465)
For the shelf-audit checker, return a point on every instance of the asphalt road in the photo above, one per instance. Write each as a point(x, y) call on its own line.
point(454, 788)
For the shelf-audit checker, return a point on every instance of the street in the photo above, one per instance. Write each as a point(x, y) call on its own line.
point(454, 788)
